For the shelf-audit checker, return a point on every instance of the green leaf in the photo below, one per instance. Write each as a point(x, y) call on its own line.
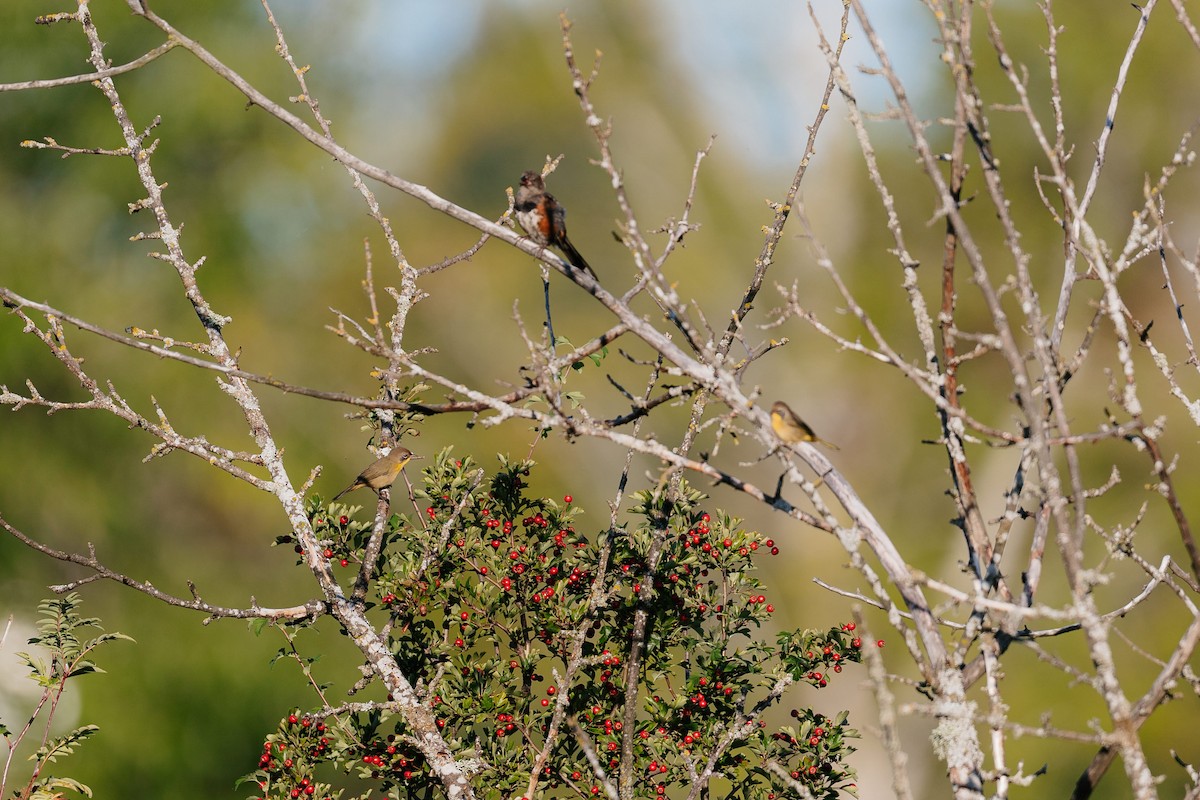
point(107, 637)
point(48, 788)
point(83, 668)
point(37, 668)
point(64, 745)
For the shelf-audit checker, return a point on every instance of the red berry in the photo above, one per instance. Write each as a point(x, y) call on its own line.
point(568, 498)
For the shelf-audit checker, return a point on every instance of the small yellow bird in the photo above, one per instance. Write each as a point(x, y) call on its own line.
point(791, 428)
point(383, 472)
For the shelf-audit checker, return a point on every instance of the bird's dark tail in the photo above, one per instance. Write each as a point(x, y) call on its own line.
point(576, 260)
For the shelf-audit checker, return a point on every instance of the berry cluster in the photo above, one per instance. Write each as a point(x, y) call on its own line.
point(286, 765)
point(530, 639)
point(342, 538)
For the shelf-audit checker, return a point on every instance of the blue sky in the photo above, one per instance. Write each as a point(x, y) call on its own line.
point(756, 74)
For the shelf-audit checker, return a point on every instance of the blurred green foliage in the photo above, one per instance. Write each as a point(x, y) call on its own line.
point(283, 235)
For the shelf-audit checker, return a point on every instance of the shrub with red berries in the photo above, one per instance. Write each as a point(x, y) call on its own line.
point(554, 660)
